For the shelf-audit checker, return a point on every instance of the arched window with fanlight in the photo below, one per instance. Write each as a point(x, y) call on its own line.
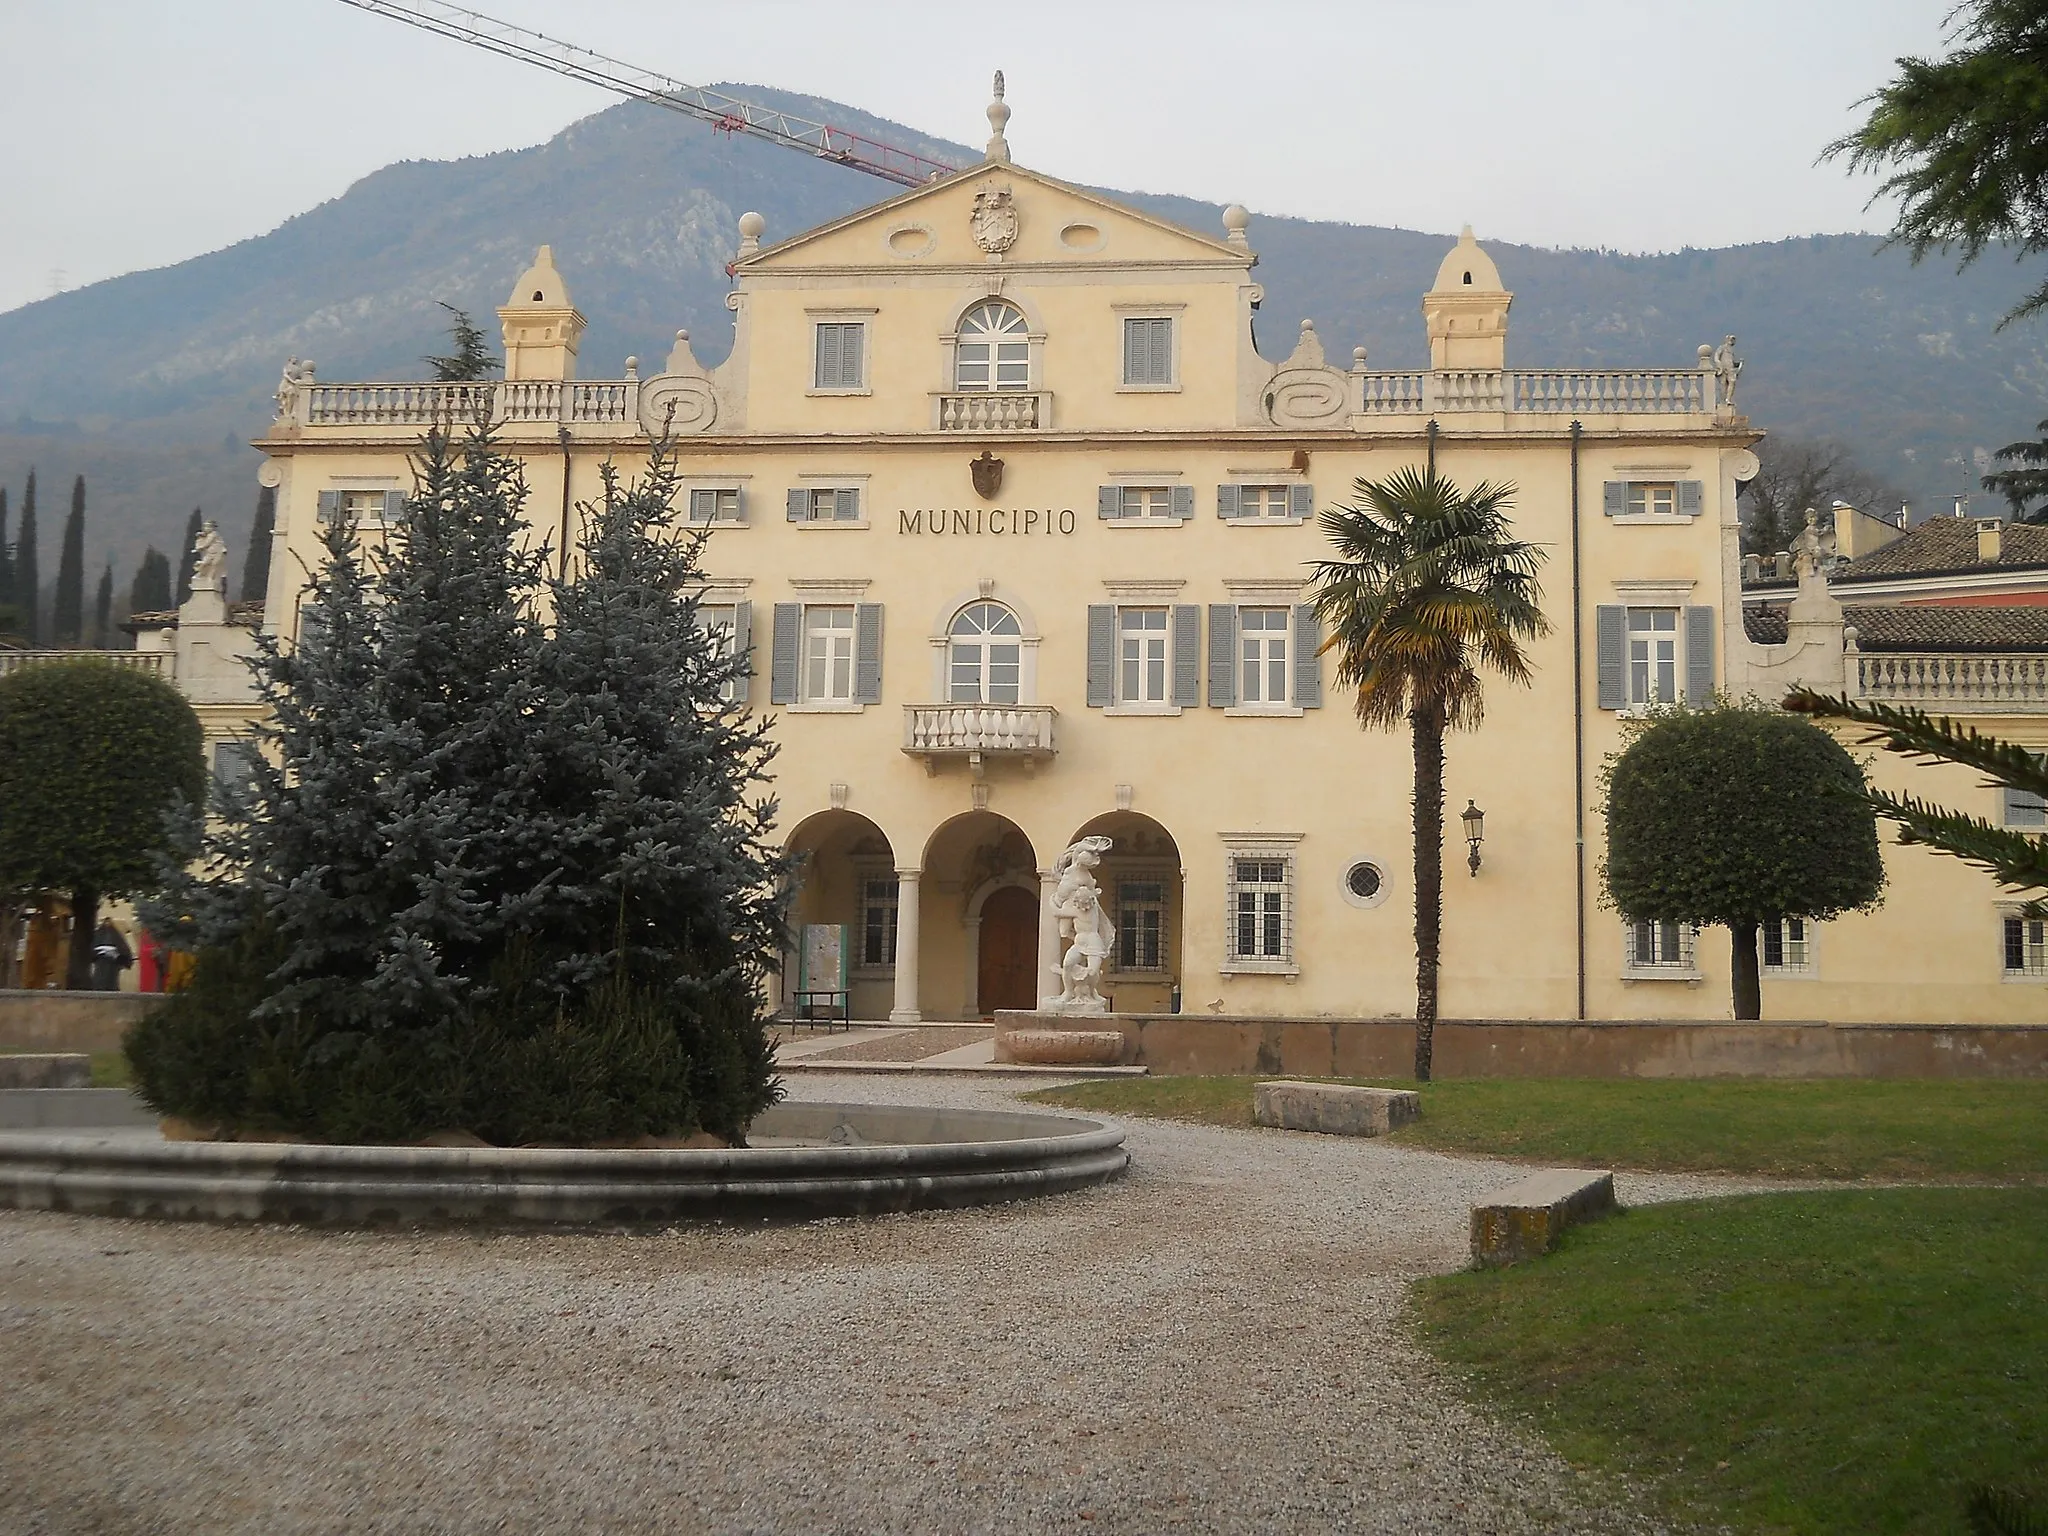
point(994, 348)
point(984, 656)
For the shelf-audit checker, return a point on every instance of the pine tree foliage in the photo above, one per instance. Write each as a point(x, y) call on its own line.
point(471, 360)
point(191, 549)
point(2017, 859)
point(67, 613)
point(256, 561)
point(150, 592)
point(487, 873)
point(1962, 139)
point(102, 637)
point(2024, 480)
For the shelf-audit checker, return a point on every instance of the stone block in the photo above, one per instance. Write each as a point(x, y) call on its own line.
point(1526, 1219)
point(51, 1070)
point(1061, 1047)
point(1335, 1109)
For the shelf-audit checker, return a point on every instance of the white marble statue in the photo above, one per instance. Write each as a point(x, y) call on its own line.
point(1727, 368)
point(1085, 931)
point(209, 560)
point(297, 376)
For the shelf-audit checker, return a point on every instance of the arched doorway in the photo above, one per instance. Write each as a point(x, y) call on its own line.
point(846, 904)
point(979, 945)
point(1142, 891)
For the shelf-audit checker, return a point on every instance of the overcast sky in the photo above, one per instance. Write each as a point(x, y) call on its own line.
point(138, 133)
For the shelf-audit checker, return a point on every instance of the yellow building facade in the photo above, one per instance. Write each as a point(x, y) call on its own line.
point(1017, 525)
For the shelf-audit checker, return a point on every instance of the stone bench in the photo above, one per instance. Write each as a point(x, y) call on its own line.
point(1060, 1047)
point(45, 1070)
point(1526, 1219)
point(1335, 1109)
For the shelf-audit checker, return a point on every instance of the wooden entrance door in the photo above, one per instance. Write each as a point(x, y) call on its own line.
point(1007, 975)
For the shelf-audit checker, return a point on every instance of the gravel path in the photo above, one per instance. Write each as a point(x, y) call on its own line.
point(1212, 1344)
point(906, 1045)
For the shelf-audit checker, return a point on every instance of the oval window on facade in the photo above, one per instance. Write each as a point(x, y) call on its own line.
point(994, 351)
point(984, 656)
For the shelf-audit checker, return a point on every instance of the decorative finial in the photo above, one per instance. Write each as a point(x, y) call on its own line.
point(751, 225)
point(998, 118)
point(1235, 219)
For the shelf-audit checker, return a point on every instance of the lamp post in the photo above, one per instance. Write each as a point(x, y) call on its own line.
point(1475, 833)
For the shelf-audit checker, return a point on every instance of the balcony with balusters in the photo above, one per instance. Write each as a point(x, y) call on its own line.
point(592, 407)
point(1543, 394)
point(979, 733)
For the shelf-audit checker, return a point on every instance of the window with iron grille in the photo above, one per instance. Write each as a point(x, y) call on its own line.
point(1148, 352)
point(2026, 946)
point(878, 907)
point(1261, 910)
point(1659, 946)
point(1788, 947)
point(1141, 925)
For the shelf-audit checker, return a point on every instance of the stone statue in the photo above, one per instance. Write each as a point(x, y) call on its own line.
point(297, 376)
point(209, 560)
point(1085, 932)
point(1807, 548)
point(1726, 367)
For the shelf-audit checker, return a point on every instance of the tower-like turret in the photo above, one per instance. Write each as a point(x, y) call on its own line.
point(542, 328)
point(1467, 310)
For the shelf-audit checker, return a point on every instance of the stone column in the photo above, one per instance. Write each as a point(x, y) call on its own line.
point(1048, 939)
point(905, 1011)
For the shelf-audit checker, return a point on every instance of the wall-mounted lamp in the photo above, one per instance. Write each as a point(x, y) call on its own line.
point(1475, 833)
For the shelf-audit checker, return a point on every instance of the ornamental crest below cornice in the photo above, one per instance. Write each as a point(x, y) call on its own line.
point(994, 220)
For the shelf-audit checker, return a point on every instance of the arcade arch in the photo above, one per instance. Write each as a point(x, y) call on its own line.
point(1143, 892)
point(846, 913)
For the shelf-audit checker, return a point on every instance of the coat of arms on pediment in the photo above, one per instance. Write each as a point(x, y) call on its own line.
point(994, 220)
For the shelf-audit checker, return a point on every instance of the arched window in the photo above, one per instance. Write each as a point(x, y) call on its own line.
point(993, 351)
point(984, 656)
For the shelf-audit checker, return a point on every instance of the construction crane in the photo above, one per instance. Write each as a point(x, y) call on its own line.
point(728, 114)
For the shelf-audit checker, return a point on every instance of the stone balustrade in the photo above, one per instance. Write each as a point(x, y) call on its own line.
point(1539, 391)
point(1391, 394)
point(160, 663)
point(1945, 680)
point(978, 729)
point(994, 411)
point(510, 400)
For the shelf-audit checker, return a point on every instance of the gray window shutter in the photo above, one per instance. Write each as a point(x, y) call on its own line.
point(1610, 656)
point(1699, 655)
point(1187, 656)
point(1301, 500)
point(1226, 500)
point(330, 507)
point(1308, 664)
point(1222, 655)
point(1109, 501)
point(846, 504)
point(1614, 499)
point(799, 504)
point(1183, 502)
point(1690, 497)
point(850, 339)
point(743, 647)
point(828, 358)
point(394, 507)
point(782, 656)
point(1101, 655)
point(867, 653)
point(739, 504)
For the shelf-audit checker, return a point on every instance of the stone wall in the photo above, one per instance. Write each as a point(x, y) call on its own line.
point(1187, 1044)
point(69, 1021)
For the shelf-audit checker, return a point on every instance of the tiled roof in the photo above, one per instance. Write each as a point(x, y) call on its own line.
point(1913, 627)
point(1947, 544)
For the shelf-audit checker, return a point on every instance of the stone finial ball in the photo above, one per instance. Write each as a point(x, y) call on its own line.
point(682, 335)
point(751, 225)
point(1236, 217)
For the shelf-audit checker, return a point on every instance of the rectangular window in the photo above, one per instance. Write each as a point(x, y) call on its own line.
point(2025, 810)
point(840, 504)
point(878, 900)
point(1148, 352)
point(1147, 501)
point(715, 505)
point(721, 622)
point(1141, 655)
point(1259, 917)
point(1262, 649)
point(2026, 946)
point(840, 354)
point(1660, 946)
point(231, 766)
point(1788, 946)
point(1263, 501)
point(828, 654)
point(1140, 921)
point(1658, 497)
point(1652, 656)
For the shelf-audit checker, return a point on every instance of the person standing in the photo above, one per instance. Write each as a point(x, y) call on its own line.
point(110, 957)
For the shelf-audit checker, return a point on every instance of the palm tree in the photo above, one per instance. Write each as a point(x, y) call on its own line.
point(1429, 586)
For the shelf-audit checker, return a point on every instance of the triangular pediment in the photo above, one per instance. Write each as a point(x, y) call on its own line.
point(934, 226)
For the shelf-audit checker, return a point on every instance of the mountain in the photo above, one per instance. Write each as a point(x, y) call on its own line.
point(150, 384)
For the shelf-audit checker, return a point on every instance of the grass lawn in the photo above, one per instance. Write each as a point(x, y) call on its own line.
point(1923, 1129)
point(1815, 1362)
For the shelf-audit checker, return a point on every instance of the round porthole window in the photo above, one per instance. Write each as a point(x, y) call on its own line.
point(1365, 884)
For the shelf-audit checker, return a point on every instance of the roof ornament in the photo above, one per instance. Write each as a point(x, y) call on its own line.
point(998, 119)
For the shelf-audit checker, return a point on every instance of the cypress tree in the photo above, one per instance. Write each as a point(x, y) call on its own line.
point(184, 571)
point(67, 614)
point(6, 556)
point(151, 590)
point(256, 563)
point(27, 578)
point(103, 611)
